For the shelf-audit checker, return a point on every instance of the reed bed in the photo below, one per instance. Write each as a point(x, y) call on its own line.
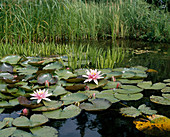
point(26, 21)
point(77, 56)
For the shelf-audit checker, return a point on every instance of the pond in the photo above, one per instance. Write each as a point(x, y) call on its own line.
point(150, 59)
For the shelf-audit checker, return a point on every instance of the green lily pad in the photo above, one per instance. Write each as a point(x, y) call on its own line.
point(1, 110)
point(76, 79)
point(59, 91)
point(101, 83)
point(74, 97)
point(56, 65)
point(105, 70)
point(12, 59)
point(75, 87)
point(35, 120)
point(9, 104)
point(65, 74)
point(127, 81)
point(80, 71)
point(21, 133)
point(141, 75)
point(67, 112)
point(108, 96)
point(111, 85)
point(8, 121)
point(6, 76)
point(141, 68)
point(52, 105)
point(96, 105)
point(89, 93)
point(7, 131)
point(128, 89)
point(166, 96)
point(27, 70)
point(2, 124)
point(130, 112)
point(146, 110)
point(6, 68)
point(44, 131)
point(128, 74)
point(43, 77)
point(116, 74)
point(27, 103)
point(5, 97)
point(165, 90)
point(113, 91)
point(148, 85)
point(128, 97)
point(3, 87)
point(166, 80)
point(160, 100)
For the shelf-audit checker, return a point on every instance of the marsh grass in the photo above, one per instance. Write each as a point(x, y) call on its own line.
point(25, 21)
point(78, 56)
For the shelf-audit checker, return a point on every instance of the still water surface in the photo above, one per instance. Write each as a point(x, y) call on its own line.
point(110, 123)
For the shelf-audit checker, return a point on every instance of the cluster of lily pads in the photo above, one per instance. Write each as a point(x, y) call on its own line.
point(69, 92)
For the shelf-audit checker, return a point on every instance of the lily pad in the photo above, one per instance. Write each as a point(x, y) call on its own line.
point(128, 74)
point(166, 90)
point(6, 76)
point(74, 97)
point(160, 100)
point(130, 112)
point(59, 91)
point(27, 70)
point(56, 65)
point(101, 83)
point(128, 97)
point(6, 67)
point(21, 133)
point(108, 96)
point(12, 59)
point(111, 85)
point(67, 112)
point(127, 81)
point(65, 74)
point(52, 105)
point(27, 103)
point(148, 85)
point(128, 89)
point(166, 80)
point(7, 131)
point(35, 120)
point(9, 104)
point(75, 87)
point(44, 131)
point(116, 74)
point(43, 77)
point(1, 110)
point(76, 79)
point(146, 110)
point(96, 105)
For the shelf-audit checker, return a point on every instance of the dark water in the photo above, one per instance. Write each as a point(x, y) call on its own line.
point(110, 123)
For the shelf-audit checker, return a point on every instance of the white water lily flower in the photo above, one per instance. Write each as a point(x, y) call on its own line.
point(41, 94)
point(92, 75)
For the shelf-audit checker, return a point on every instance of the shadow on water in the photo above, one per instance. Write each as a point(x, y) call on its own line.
point(110, 123)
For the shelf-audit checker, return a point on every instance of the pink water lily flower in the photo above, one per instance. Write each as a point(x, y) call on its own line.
point(41, 94)
point(92, 75)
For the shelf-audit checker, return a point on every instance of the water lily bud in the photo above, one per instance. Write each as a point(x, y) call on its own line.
point(94, 95)
point(47, 84)
point(113, 78)
point(118, 85)
point(67, 68)
point(25, 112)
point(87, 88)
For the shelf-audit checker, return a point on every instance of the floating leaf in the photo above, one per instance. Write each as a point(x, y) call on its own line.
point(27, 103)
point(111, 85)
point(52, 105)
point(56, 65)
point(157, 125)
point(101, 83)
point(165, 90)
point(1, 110)
point(21, 133)
point(108, 70)
point(43, 77)
point(146, 110)
point(128, 89)
point(75, 87)
point(44, 131)
point(116, 74)
point(127, 81)
point(152, 70)
point(128, 74)
point(108, 96)
point(6, 67)
point(6, 76)
point(35, 120)
point(9, 104)
point(130, 111)
point(96, 105)
point(128, 97)
point(65, 74)
point(74, 97)
point(160, 100)
point(12, 59)
point(76, 79)
point(67, 112)
point(27, 70)
point(59, 91)
point(166, 80)
point(7, 131)
point(148, 85)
